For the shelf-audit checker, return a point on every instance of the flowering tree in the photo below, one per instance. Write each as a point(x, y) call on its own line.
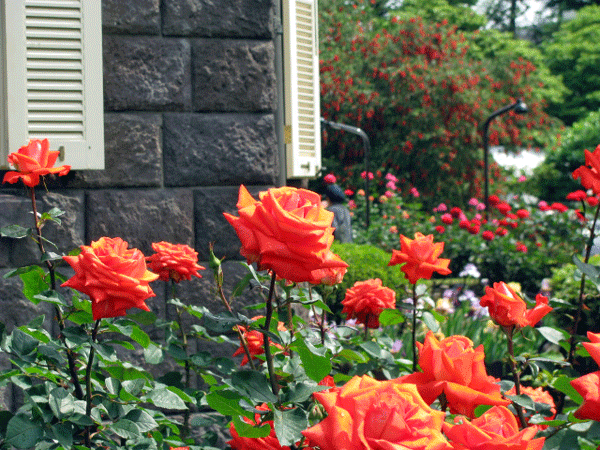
point(421, 91)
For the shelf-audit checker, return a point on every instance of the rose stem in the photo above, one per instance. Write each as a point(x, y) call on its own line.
point(186, 414)
point(516, 373)
point(88, 382)
point(59, 316)
point(414, 327)
point(267, 325)
point(571, 356)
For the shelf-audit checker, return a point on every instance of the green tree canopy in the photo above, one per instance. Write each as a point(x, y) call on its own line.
point(573, 53)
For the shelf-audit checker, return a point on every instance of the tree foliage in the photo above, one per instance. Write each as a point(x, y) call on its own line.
point(573, 53)
point(422, 89)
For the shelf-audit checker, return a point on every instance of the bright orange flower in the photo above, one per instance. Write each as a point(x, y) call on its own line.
point(174, 262)
point(287, 231)
point(588, 385)
point(367, 414)
point(507, 309)
point(32, 161)
point(496, 429)
point(453, 367)
point(256, 341)
point(114, 277)
point(590, 172)
point(421, 257)
point(365, 301)
point(269, 442)
point(538, 395)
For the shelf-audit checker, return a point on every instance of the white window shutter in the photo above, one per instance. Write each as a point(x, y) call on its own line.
point(301, 79)
point(52, 69)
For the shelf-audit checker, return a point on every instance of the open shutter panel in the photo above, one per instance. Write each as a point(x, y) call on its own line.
point(53, 64)
point(301, 75)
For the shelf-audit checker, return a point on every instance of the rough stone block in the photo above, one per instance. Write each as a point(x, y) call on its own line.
point(233, 75)
point(146, 74)
point(131, 16)
point(219, 149)
point(66, 236)
point(133, 153)
point(141, 217)
point(209, 205)
point(226, 18)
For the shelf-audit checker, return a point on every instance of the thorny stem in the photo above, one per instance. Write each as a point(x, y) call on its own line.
point(269, 316)
point(59, 316)
point(241, 337)
point(516, 373)
point(185, 430)
point(414, 327)
point(88, 381)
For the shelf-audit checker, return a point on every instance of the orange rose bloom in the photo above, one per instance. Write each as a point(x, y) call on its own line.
point(538, 395)
point(453, 367)
point(590, 172)
point(421, 257)
point(365, 301)
point(496, 429)
point(507, 309)
point(32, 161)
point(256, 342)
point(269, 442)
point(174, 262)
point(366, 414)
point(588, 385)
point(287, 231)
point(114, 277)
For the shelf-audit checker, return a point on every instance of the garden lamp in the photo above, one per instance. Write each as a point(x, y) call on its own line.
point(520, 108)
point(367, 148)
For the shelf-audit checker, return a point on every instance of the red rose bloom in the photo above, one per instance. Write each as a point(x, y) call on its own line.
point(496, 429)
point(256, 342)
point(174, 262)
point(488, 235)
point(577, 195)
point(419, 257)
point(456, 212)
point(559, 207)
point(464, 224)
point(113, 276)
point(522, 213)
point(365, 301)
point(453, 367)
point(590, 172)
point(592, 201)
point(269, 442)
point(520, 247)
point(501, 231)
point(588, 385)
point(473, 229)
point(507, 309)
point(504, 208)
point(33, 161)
point(493, 200)
point(447, 218)
point(330, 178)
point(440, 229)
point(287, 231)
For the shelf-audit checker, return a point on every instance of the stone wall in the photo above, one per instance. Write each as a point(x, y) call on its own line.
point(189, 97)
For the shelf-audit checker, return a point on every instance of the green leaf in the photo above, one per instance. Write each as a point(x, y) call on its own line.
point(553, 335)
point(588, 269)
point(113, 386)
point(222, 322)
point(52, 297)
point(51, 256)
point(61, 402)
point(182, 395)
point(142, 419)
point(22, 432)
point(522, 400)
point(164, 398)
point(153, 354)
point(139, 336)
point(143, 317)
point(239, 288)
point(301, 392)
point(316, 366)
point(15, 232)
point(372, 348)
point(430, 321)
point(21, 343)
point(126, 429)
point(289, 425)
point(227, 403)
point(19, 271)
point(34, 283)
point(563, 384)
point(248, 430)
point(134, 387)
point(391, 317)
point(253, 385)
point(63, 432)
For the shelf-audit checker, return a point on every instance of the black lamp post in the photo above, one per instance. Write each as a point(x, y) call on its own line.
point(367, 148)
point(520, 108)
